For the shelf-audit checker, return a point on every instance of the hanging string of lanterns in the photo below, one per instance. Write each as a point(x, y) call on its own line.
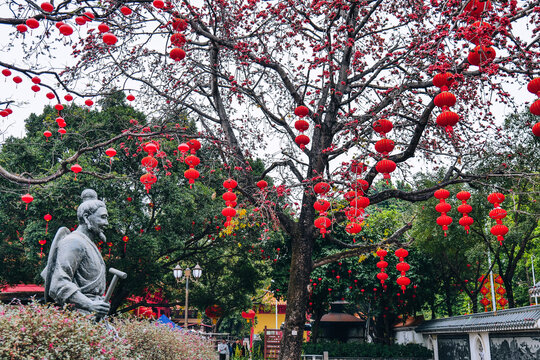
point(41, 243)
point(357, 202)
point(382, 265)
point(534, 87)
point(149, 162)
point(230, 201)
point(485, 301)
point(301, 125)
point(466, 221)
point(322, 222)
point(497, 214)
point(443, 207)
point(191, 174)
point(403, 281)
point(178, 39)
point(384, 166)
point(444, 100)
point(479, 33)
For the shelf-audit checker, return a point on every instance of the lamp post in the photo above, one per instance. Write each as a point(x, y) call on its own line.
point(188, 273)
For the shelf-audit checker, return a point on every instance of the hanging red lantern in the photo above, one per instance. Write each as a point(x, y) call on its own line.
point(35, 88)
point(323, 223)
point(110, 153)
point(6, 72)
point(301, 125)
point(149, 162)
point(302, 140)
point(47, 134)
point(76, 168)
point(192, 161)
point(22, 28)
point(321, 188)
point(360, 185)
point(445, 100)
point(47, 217)
point(59, 107)
point(42, 242)
point(27, 199)
point(536, 129)
point(32, 23)
point(448, 119)
point(47, 7)
point(477, 7)
point(60, 120)
point(125, 239)
point(353, 228)
point(502, 302)
point(321, 205)
point(36, 80)
point(533, 86)
point(466, 221)
point(80, 20)
point(443, 80)
point(403, 281)
point(103, 28)
point(228, 197)
point(360, 202)
point(194, 145)
point(68, 97)
point(385, 167)
point(496, 198)
point(443, 207)
point(191, 175)
point(148, 180)
point(441, 194)
point(535, 108)
point(88, 102)
point(382, 276)
point(382, 253)
point(151, 148)
point(497, 214)
point(130, 97)
point(478, 31)
point(382, 264)
point(463, 196)
point(349, 195)
point(444, 221)
point(109, 39)
point(183, 148)
point(179, 24)
point(383, 126)
point(499, 230)
point(229, 213)
point(178, 40)
point(230, 184)
point(484, 290)
point(402, 267)
point(177, 54)
point(159, 4)
point(65, 30)
point(401, 253)
point(481, 54)
point(301, 111)
point(384, 146)
point(17, 79)
point(125, 10)
point(262, 184)
point(49, 95)
point(501, 291)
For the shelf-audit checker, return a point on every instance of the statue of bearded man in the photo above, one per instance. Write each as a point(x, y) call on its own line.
point(75, 271)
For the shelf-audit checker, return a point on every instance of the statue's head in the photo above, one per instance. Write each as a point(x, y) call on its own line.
point(93, 213)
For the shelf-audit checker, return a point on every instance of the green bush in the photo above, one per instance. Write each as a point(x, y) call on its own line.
point(368, 350)
point(45, 332)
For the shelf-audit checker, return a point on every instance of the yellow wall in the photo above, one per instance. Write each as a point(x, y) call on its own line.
point(268, 320)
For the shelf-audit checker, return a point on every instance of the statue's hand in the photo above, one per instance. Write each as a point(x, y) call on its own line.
point(99, 307)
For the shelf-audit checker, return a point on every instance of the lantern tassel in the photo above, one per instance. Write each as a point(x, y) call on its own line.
point(41, 253)
point(125, 244)
point(46, 227)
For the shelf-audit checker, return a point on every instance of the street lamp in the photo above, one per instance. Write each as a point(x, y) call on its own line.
point(196, 274)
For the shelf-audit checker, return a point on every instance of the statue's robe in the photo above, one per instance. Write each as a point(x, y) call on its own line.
point(75, 264)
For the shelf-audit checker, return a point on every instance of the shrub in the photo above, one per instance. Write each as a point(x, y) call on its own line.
point(368, 350)
point(45, 332)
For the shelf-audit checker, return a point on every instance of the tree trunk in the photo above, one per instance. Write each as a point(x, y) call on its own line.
point(295, 317)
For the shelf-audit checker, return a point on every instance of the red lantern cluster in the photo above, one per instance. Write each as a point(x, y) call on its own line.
point(41, 243)
point(384, 146)
point(382, 265)
point(149, 163)
point(403, 281)
point(466, 221)
point(444, 100)
point(321, 205)
point(178, 39)
point(230, 201)
point(443, 207)
point(191, 174)
point(534, 87)
point(497, 214)
point(479, 33)
point(301, 125)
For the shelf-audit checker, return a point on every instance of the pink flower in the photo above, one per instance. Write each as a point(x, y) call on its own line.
point(51, 346)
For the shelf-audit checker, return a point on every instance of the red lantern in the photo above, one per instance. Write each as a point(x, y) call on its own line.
point(497, 214)
point(125, 10)
point(382, 253)
point(443, 207)
point(385, 167)
point(192, 161)
point(383, 126)
point(191, 175)
point(536, 129)
point(463, 195)
point(382, 264)
point(401, 253)
point(403, 267)
point(110, 153)
point(321, 205)
point(109, 39)
point(301, 125)
point(535, 108)
point(47, 7)
point(496, 198)
point(533, 86)
point(179, 24)
point(35, 88)
point(151, 148)
point(177, 54)
point(499, 230)
point(80, 20)
point(478, 31)
point(214, 312)
point(62, 131)
point(148, 180)
point(27, 199)
point(323, 223)
point(445, 100)
point(88, 102)
point(229, 197)
point(36, 80)
point(230, 184)
point(448, 119)
point(321, 188)
point(32, 23)
point(229, 213)
point(444, 221)
point(502, 302)
point(65, 30)
point(301, 111)
point(47, 134)
point(382, 276)
point(443, 80)
point(477, 7)
point(76, 169)
point(6, 72)
point(103, 28)
point(466, 221)
point(49, 95)
point(302, 140)
point(501, 291)
point(183, 148)
point(403, 281)
point(158, 4)
point(59, 107)
point(384, 146)
point(441, 194)
point(360, 202)
point(484, 302)
point(125, 239)
point(149, 162)
point(353, 228)
point(68, 97)
point(42, 242)
point(178, 40)
point(481, 54)
point(22, 28)
point(194, 145)
point(130, 97)
point(47, 218)
point(262, 184)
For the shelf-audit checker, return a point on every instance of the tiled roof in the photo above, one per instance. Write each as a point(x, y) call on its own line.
point(524, 318)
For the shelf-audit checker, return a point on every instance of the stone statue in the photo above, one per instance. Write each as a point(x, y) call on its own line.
point(75, 271)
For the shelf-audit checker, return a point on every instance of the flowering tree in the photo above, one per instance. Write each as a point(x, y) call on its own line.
point(241, 68)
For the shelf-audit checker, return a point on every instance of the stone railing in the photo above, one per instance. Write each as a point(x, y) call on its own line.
point(326, 357)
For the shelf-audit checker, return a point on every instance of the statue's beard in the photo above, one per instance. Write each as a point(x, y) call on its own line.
point(96, 231)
